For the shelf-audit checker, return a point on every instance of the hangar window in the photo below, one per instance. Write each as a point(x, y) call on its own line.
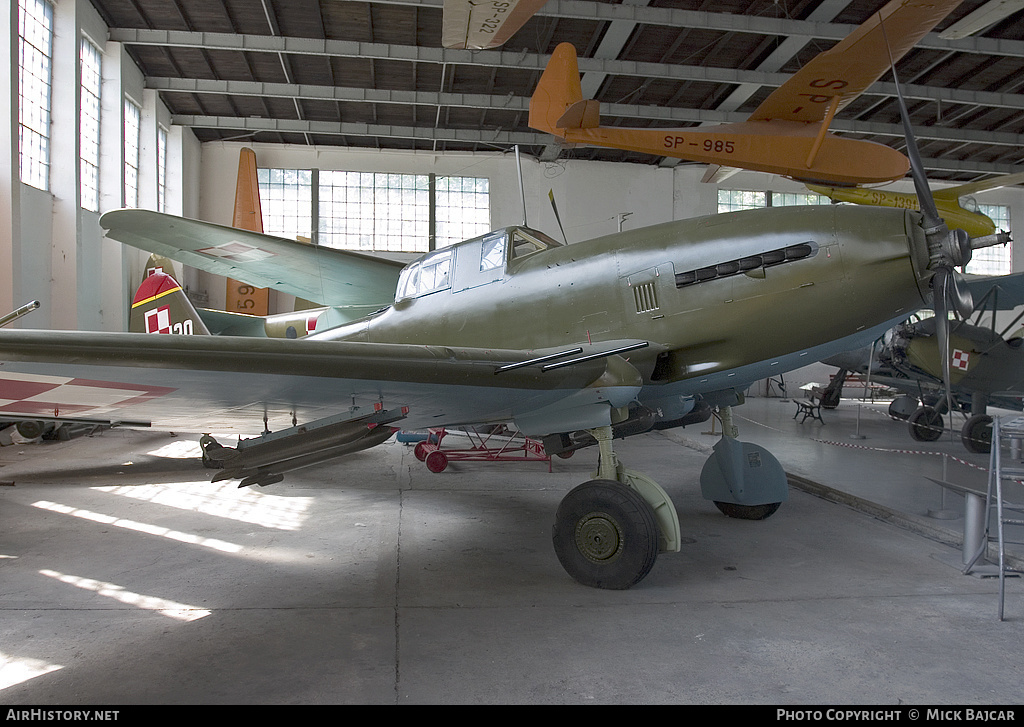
point(35, 49)
point(371, 211)
point(161, 169)
point(286, 199)
point(791, 199)
point(462, 207)
point(731, 200)
point(998, 259)
point(132, 130)
point(378, 211)
point(89, 126)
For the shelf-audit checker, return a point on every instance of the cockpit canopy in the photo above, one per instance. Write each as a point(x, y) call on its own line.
point(491, 254)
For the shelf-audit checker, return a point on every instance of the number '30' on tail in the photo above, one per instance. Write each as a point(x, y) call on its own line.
point(161, 306)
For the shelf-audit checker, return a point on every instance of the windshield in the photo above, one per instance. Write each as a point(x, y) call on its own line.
point(429, 274)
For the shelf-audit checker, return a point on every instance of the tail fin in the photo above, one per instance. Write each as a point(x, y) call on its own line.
point(558, 103)
point(160, 306)
point(248, 215)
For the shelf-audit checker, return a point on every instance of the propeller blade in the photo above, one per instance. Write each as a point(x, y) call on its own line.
point(959, 296)
point(924, 192)
point(942, 282)
point(551, 196)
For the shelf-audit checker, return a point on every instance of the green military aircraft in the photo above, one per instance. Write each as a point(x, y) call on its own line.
point(986, 365)
point(510, 327)
point(614, 335)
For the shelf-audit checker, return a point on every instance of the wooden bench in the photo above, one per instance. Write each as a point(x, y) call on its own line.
point(809, 408)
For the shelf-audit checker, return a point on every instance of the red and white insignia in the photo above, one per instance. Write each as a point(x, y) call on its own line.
point(961, 359)
point(60, 395)
point(159, 320)
point(237, 252)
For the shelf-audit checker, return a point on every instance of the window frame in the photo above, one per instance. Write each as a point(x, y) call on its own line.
point(89, 120)
point(35, 83)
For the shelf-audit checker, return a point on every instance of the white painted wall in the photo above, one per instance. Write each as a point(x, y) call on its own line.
point(50, 248)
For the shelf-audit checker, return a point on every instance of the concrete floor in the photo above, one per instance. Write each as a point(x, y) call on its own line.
point(129, 579)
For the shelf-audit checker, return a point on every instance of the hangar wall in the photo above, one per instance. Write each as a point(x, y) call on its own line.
point(51, 249)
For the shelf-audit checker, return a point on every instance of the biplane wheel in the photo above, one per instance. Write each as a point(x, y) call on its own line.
point(977, 434)
point(605, 535)
point(902, 407)
point(436, 461)
point(925, 424)
point(748, 512)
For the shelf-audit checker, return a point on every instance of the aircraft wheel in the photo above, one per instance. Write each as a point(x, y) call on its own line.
point(436, 461)
point(925, 424)
point(31, 429)
point(748, 512)
point(605, 535)
point(419, 451)
point(977, 434)
point(902, 407)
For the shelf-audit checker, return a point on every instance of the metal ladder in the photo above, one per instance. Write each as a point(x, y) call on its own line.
point(1010, 431)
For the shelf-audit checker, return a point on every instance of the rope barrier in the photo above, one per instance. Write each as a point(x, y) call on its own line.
point(888, 450)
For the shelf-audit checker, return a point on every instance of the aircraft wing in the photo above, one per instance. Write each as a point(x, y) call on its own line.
point(222, 384)
point(484, 23)
point(1008, 293)
point(983, 185)
point(324, 275)
point(847, 69)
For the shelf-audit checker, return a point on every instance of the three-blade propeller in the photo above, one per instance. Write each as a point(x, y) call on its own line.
point(946, 249)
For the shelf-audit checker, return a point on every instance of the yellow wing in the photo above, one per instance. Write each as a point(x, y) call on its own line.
point(852, 65)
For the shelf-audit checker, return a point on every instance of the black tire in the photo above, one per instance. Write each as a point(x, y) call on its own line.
point(748, 512)
point(977, 434)
point(30, 429)
point(605, 535)
point(925, 424)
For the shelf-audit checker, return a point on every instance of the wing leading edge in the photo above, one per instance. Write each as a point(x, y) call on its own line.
point(325, 275)
point(211, 383)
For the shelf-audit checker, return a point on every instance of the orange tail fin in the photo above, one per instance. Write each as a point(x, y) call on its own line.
point(559, 92)
point(242, 298)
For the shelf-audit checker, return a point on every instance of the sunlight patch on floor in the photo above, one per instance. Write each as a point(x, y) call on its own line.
point(148, 528)
point(182, 449)
point(15, 671)
point(227, 501)
point(177, 611)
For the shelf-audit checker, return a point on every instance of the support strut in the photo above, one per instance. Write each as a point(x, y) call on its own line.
point(609, 468)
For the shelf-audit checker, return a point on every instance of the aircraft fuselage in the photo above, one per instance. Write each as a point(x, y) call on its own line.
point(712, 295)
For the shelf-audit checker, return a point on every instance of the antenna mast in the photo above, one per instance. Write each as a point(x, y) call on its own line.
point(522, 190)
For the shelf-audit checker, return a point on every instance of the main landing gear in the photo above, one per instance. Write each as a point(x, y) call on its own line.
point(608, 531)
point(926, 425)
